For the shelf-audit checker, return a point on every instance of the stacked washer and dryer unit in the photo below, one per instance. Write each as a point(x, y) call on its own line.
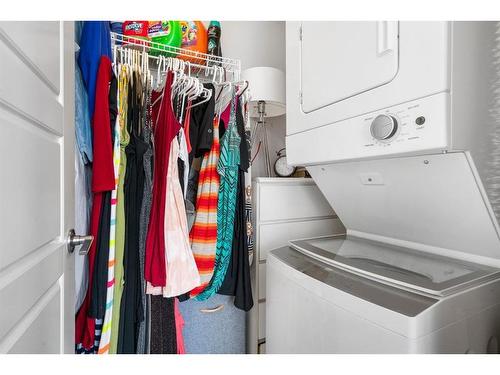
point(399, 125)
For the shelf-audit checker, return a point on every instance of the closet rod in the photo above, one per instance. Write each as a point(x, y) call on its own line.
point(231, 66)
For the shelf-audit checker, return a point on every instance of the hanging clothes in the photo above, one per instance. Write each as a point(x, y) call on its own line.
point(101, 280)
point(83, 205)
point(102, 181)
point(100, 277)
point(83, 173)
point(131, 306)
point(187, 127)
point(179, 326)
point(145, 258)
point(166, 128)
point(95, 42)
point(200, 127)
point(184, 161)
point(104, 343)
point(120, 210)
point(248, 176)
point(203, 235)
point(142, 335)
point(163, 326)
point(182, 273)
point(83, 177)
point(227, 167)
point(237, 280)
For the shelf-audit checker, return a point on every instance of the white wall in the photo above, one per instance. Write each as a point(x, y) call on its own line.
point(258, 43)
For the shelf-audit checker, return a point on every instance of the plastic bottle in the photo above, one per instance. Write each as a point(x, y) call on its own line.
point(167, 34)
point(136, 30)
point(194, 38)
point(214, 32)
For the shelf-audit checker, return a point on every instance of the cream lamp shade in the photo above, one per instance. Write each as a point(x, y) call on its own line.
point(267, 85)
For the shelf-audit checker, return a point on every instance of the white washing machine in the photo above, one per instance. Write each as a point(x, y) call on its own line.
point(349, 295)
point(399, 125)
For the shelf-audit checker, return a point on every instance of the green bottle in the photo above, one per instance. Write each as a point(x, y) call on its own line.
point(166, 34)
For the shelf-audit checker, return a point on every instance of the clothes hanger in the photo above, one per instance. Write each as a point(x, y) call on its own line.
point(158, 71)
point(115, 51)
point(222, 87)
point(208, 93)
point(187, 90)
point(129, 64)
point(161, 65)
point(245, 89)
point(214, 75)
point(197, 91)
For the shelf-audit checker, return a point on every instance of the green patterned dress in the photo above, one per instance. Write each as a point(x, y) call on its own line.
point(227, 167)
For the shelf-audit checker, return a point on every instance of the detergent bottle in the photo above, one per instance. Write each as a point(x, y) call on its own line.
point(194, 38)
point(166, 34)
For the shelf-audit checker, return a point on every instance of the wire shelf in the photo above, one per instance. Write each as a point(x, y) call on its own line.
point(198, 62)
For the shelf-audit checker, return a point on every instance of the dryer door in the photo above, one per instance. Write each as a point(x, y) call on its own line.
point(337, 71)
point(354, 57)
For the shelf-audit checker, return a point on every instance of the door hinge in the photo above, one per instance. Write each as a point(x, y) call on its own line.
point(300, 33)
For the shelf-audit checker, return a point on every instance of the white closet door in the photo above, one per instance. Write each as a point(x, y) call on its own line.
point(340, 59)
point(36, 187)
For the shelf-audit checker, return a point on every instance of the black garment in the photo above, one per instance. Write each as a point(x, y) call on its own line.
point(184, 297)
point(131, 310)
point(244, 146)
point(113, 105)
point(192, 189)
point(201, 126)
point(163, 333)
point(100, 278)
point(180, 168)
point(237, 280)
point(222, 128)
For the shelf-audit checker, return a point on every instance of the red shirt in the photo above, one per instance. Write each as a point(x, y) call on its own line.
point(103, 179)
point(166, 128)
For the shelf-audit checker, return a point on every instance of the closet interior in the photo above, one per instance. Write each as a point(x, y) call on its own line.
point(163, 186)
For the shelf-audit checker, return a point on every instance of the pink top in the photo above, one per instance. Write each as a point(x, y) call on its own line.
point(182, 273)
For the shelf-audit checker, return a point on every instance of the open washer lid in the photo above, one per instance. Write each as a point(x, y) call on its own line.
point(431, 203)
point(411, 269)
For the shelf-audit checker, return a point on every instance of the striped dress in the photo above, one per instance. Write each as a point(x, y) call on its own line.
point(228, 167)
point(106, 327)
point(203, 235)
point(120, 210)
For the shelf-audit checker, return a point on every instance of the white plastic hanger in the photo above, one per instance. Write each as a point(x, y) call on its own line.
point(115, 51)
point(208, 95)
point(158, 71)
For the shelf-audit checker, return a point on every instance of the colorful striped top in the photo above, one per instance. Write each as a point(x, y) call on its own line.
point(203, 235)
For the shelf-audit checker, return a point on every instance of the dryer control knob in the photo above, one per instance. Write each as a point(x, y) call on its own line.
point(383, 127)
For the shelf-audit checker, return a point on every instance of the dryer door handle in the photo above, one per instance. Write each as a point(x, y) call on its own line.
point(387, 36)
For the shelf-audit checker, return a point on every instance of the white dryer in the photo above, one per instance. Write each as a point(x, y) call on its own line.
point(398, 123)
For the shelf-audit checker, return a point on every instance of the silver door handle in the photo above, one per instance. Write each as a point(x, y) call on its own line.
point(75, 240)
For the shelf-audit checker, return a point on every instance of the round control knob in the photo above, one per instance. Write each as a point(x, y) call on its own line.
point(383, 127)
